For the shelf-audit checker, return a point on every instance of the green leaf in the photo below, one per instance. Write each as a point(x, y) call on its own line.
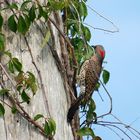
point(25, 97)
point(85, 131)
point(14, 110)
point(13, 6)
point(3, 91)
point(32, 14)
point(87, 33)
point(92, 107)
point(12, 23)
point(31, 82)
point(11, 66)
point(1, 21)
point(83, 9)
point(47, 128)
point(56, 5)
point(38, 116)
point(2, 43)
point(17, 65)
point(20, 78)
point(24, 5)
point(33, 87)
point(31, 76)
point(40, 11)
point(97, 86)
point(8, 54)
point(27, 20)
point(50, 127)
point(21, 26)
point(2, 110)
point(106, 76)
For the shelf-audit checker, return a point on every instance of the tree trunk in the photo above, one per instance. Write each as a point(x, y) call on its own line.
point(52, 98)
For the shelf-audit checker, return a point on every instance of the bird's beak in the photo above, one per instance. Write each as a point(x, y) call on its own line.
point(94, 47)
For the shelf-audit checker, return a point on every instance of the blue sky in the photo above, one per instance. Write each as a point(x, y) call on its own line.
point(123, 57)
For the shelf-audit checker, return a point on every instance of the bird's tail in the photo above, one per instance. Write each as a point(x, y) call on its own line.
point(74, 107)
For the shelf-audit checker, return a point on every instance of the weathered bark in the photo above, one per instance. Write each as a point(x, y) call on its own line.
point(54, 101)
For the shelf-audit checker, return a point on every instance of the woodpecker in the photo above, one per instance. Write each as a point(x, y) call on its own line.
point(88, 77)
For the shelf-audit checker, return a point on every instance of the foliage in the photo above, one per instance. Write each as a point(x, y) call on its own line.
point(20, 21)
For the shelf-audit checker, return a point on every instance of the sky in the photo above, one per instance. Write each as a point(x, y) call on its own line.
point(123, 60)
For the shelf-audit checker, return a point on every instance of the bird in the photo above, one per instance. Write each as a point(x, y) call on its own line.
point(88, 77)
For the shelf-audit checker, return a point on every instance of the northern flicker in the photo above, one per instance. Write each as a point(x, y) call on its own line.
point(88, 77)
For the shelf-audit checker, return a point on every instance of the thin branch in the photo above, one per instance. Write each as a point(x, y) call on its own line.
point(110, 98)
point(110, 128)
point(39, 74)
point(103, 17)
point(102, 124)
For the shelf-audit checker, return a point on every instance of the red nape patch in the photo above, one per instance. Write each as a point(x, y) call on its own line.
point(102, 53)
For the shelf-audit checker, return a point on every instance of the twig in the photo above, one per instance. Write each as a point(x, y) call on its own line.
point(39, 74)
point(96, 28)
point(115, 127)
point(114, 132)
point(103, 17)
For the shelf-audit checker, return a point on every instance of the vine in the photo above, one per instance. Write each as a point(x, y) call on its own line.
point(76, 37)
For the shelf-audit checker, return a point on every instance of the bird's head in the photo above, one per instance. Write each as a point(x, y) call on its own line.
point(99, 51)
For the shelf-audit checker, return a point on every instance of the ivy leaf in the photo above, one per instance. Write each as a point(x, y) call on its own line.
point(25, 97)
point(56, 5)
point(12, 23)
point(32, 14)
point(87, 33)
point(31, 82)
point(50, 127)
point(21, 26)
point(92, 107)
point(38, 116)
point(106, 76)
point(47, 128)
point(85, 131)
point(13, 6)
point(2, 110)
point(11, 66)
point(40, 11)
point(1, 21)
point(24, 5)
point(2, 43)
point(8, 54)
point(19, 79)
point(3, 91)
point(97, 86)
point(83, 10)
point(17, 65)
point(27, 20)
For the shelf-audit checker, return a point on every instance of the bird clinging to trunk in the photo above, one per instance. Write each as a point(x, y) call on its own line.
point(88, 77)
